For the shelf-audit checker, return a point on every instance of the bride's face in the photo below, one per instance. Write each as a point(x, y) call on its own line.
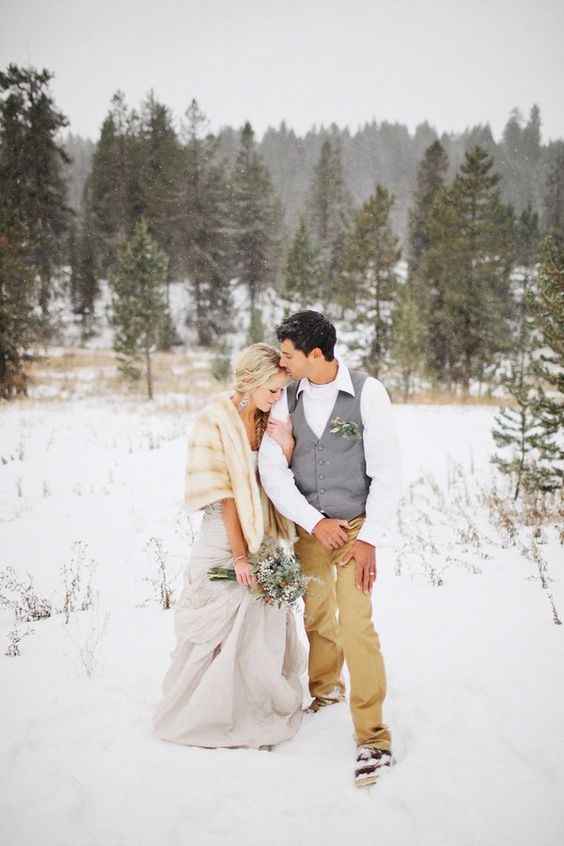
point(265, 396)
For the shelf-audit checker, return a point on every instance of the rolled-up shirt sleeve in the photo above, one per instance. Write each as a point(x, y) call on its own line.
point(383, 465)
point(278, 481)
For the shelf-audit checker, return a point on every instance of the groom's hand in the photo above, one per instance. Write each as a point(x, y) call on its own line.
point(331, 533)
point(364, 555)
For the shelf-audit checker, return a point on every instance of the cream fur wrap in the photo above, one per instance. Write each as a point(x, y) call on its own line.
point(220, 466)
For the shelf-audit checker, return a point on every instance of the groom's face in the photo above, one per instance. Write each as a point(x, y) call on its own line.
point(295, 362)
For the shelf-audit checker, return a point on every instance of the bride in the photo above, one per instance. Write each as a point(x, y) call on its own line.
point(235, 674)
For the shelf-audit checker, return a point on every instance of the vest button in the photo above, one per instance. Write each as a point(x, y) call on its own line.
point(321, 476)
point(322, 490)
point(321, 446)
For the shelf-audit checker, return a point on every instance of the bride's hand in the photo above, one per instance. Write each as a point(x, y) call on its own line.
point(244, 573)
point(281, 432)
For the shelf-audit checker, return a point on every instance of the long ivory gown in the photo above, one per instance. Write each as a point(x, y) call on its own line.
point(236, 673)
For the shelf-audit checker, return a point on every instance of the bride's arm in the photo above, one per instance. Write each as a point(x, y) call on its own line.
point(237, 543)
point(281, 432)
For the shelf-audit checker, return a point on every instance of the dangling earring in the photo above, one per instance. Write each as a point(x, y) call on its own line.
point(243, 404)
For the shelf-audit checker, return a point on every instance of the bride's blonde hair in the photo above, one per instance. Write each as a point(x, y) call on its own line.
point(253, 367)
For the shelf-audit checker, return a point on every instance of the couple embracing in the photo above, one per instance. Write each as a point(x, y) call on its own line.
point(316, 455)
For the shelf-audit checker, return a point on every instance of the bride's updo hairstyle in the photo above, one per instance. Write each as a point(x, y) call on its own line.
point(254, 366)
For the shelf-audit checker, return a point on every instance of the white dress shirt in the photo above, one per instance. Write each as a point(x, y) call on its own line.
point(380, 448)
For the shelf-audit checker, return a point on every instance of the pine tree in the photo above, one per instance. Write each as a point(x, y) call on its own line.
point(73, 265)
point(431, 174)
point(466, 270)
point(302, 272)
point(532, 135)
point(408, 336)
point(554, 197)
point(256, 331)
point(84, 286)
point(487, 261)
point(161, 167)
point(415, 313)
point(80, 151)
point(138, 302)
point(160, 157)
point(254, 221)
point(115, 198)
point(202, 229)
point(547, 305)
point(438, 273)
point(369, 281)
point(329, 211)
point(32, 185)
point(516, 426)
point(88, 288)
point(19, 325)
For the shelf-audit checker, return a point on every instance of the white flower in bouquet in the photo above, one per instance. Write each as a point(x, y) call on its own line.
point(280, 580)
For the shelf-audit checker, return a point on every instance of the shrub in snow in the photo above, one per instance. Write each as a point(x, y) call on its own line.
point(15, 636)
point(163, 592)
point(22, 598)
point(77, 576)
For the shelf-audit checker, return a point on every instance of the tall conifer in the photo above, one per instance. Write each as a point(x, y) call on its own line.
point(516, 425)
point(547, 306)
point(32, 185)
point(431, 174)
point(329, 211)
point(302, 270)
point(254, 224)
point(202, 228)
point(115, 193)
point(466, 270)
point(369, 280)
point(554, 196)
point(138, 303)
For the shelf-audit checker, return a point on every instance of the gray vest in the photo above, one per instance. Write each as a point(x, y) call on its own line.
point(331, 471)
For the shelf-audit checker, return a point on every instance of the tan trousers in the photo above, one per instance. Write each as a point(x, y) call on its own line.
point(351, 637)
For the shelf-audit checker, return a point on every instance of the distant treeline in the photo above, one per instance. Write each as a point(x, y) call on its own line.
point(321, 220)
point(380, 152)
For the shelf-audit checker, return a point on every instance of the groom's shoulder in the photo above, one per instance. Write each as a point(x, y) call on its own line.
point(291, 394)
point(373, 388)
point(359, 378)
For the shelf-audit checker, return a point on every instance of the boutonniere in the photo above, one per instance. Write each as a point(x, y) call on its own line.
point(345, 428)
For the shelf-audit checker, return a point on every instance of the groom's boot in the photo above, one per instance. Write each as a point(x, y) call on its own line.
point(369, 761)
point(318, 702)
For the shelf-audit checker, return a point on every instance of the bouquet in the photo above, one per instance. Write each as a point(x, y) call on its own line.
point(280, 580)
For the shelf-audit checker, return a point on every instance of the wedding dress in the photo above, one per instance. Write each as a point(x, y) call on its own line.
point(236, 674)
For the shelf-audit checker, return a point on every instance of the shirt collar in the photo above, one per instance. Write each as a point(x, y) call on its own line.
point(343, 381)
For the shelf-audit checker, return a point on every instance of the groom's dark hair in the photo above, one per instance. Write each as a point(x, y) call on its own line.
point(308, 330)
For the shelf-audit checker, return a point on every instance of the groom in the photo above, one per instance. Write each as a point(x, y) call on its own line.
point(341, 489)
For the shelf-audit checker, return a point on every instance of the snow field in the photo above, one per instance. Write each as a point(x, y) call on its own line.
point(476, 688)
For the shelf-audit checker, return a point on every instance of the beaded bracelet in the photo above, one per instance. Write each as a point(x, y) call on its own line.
point(239, 557)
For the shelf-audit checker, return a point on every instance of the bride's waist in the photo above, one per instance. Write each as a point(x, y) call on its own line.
point(212, 540)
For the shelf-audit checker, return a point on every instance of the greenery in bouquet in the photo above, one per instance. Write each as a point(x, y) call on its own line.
point(280, 580)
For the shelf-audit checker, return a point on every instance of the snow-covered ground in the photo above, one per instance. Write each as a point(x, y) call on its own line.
point(474, 658)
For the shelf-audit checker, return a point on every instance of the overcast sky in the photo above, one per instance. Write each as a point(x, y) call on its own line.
point(348, 61)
